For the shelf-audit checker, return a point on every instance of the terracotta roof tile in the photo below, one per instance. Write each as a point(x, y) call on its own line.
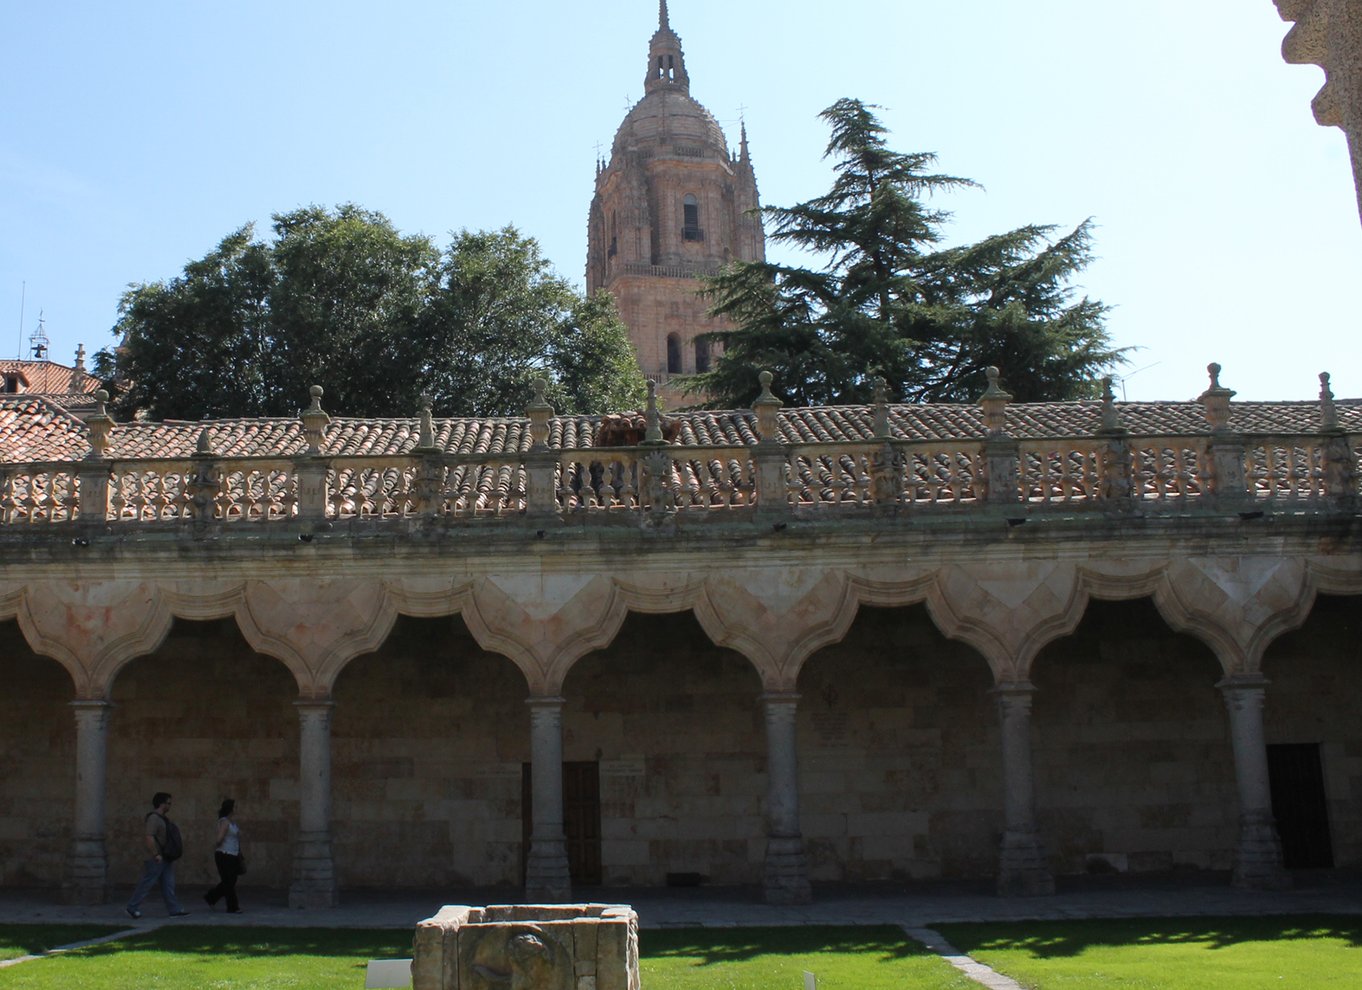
point(36, 428)
point(49, 377)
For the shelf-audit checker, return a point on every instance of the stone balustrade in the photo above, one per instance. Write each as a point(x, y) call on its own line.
point(1111, 470)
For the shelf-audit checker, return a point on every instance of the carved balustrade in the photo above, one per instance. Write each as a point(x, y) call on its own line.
point(770, 472)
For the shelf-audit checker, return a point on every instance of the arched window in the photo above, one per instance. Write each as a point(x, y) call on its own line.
point(701, 354)
point(673, 354)
point(690, 219)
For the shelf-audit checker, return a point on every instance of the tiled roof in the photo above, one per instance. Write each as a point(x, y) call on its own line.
point(49, 377)
point(36, 428)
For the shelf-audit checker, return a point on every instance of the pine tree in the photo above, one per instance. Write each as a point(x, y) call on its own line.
point(889, 300)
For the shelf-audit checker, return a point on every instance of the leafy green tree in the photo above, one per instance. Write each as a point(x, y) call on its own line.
point(888, 300)
point(342, 299)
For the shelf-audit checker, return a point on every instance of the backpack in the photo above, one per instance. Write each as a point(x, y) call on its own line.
point(173, 847)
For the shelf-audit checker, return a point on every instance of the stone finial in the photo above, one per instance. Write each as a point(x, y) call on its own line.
point(652, 417)
point(766, 406)
point(427, 437)
point(539, 412)
point(1111, 416)
point(1328, 412)
point(314, 420)
point(1216, 400)
point(77, 383)
point(881, 395)
point(204, 447)
point(994, 403)
point(100, 424)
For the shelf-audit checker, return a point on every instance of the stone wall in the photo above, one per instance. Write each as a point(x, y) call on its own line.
point(1132, 752)
point(1315, 697)
point(37, 764)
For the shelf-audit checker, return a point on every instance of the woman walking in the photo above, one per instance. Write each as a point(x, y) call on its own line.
point(227, 856)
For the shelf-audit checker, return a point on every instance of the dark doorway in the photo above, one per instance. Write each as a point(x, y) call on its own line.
point(581, 819)
point(1296, 778)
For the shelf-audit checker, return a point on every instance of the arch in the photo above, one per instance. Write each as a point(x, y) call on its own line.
point(702, 360)
point(674, 366)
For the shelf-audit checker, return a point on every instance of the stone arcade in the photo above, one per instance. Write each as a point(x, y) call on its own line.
point(788, 646)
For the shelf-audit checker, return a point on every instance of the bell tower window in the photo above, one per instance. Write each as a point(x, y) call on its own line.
point(702, 355)
point(673, 354)
point(690, 220)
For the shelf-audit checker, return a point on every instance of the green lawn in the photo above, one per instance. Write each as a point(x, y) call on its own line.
point(1287, 952)
point(28, 940)
point(861, 958)
point(185, 957)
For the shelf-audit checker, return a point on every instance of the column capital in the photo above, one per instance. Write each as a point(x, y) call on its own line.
point(1242, 682)
point(314, 705)
point(1013, 689)
point(547, 701)
point(779, 697)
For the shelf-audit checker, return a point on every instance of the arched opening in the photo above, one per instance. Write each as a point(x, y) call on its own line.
point(1313, 736)
point(37, 763)
point(670, 726)
point(702, 354)
point(1130, 745)
point(427, 741)
point(899, 760)
point(673, 354)
point(204, 717)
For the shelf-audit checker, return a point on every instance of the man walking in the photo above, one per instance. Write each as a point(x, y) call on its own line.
point(162, 838)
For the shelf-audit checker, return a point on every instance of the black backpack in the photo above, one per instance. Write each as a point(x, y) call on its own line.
point(173, 847)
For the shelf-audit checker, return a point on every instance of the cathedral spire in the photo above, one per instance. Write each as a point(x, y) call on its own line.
point(666, 63)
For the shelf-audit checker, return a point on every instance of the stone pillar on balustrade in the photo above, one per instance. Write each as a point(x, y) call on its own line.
point(1000, 474)
point(1224, 467)
point(770, 456)
point(93, 472)
point(310, 469)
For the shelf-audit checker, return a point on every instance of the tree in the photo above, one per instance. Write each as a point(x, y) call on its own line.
point(889, 301)
point(342, 299)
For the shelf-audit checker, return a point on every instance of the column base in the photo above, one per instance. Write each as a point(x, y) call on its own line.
point(1021, 867)
point(314, 874)
point(787, 871)
point(546, 871)
point(1258, 859)
point(86, 879)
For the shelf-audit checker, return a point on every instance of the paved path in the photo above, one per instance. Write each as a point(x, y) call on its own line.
point(912, 905)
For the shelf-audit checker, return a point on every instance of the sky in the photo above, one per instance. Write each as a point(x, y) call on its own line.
point(135, 136)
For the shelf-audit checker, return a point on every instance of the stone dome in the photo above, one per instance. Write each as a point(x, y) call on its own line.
point(666, 118)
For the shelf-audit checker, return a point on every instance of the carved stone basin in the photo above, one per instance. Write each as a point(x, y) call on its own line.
point(527, 947)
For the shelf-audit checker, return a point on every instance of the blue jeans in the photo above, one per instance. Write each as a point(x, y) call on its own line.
point(153, 872)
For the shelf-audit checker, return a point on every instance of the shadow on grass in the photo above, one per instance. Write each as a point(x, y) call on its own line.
point(712, 946)
point(1055, 939)
point(264, 942)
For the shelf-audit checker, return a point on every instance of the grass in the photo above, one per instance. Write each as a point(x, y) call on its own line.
point(28, 940)
point(1287, 952)
point(1143, 954)
point(860, 958)
point(204, 958)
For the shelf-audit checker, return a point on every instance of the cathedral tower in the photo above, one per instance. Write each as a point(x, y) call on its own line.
point(671, 205)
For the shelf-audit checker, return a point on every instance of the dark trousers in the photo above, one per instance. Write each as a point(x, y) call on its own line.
point(229, 868)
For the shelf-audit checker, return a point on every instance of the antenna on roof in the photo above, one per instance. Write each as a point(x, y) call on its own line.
point(37, 341)
point(23, 295)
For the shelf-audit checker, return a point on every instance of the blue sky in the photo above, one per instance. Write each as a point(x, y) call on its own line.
point(133, 137)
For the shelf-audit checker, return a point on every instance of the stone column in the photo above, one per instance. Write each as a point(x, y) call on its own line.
point(314, 872)
point(787, 869)
point(1021, 861)
point(546, 867)
point(1258, 857)
point(87, 861)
